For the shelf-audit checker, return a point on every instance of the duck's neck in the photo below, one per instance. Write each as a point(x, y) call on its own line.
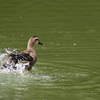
point(31, 50)
point(30, 46)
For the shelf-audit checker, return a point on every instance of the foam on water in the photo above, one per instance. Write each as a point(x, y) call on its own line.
point(20, 79)
point(20, 70)
point(20, 67)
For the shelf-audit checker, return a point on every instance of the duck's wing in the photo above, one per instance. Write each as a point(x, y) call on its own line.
point(23, 57)
point(26, 56)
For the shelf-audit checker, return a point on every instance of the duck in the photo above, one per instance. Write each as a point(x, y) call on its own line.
point(28, 55)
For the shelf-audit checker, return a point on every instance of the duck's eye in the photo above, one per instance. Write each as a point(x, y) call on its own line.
point(36, 39)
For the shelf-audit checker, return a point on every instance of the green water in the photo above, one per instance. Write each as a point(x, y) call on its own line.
point(68, 66)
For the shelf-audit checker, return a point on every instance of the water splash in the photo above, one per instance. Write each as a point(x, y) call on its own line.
point(20, 79)
point(20, 70)
point(10, 73)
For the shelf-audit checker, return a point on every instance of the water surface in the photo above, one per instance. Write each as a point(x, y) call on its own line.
point(68, 64)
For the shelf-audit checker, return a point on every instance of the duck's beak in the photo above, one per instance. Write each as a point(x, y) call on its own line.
point(40, 43)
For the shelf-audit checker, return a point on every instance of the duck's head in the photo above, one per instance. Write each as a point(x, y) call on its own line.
point(34, 40)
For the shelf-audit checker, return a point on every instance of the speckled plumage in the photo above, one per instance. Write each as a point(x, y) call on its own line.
point(28, 55)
